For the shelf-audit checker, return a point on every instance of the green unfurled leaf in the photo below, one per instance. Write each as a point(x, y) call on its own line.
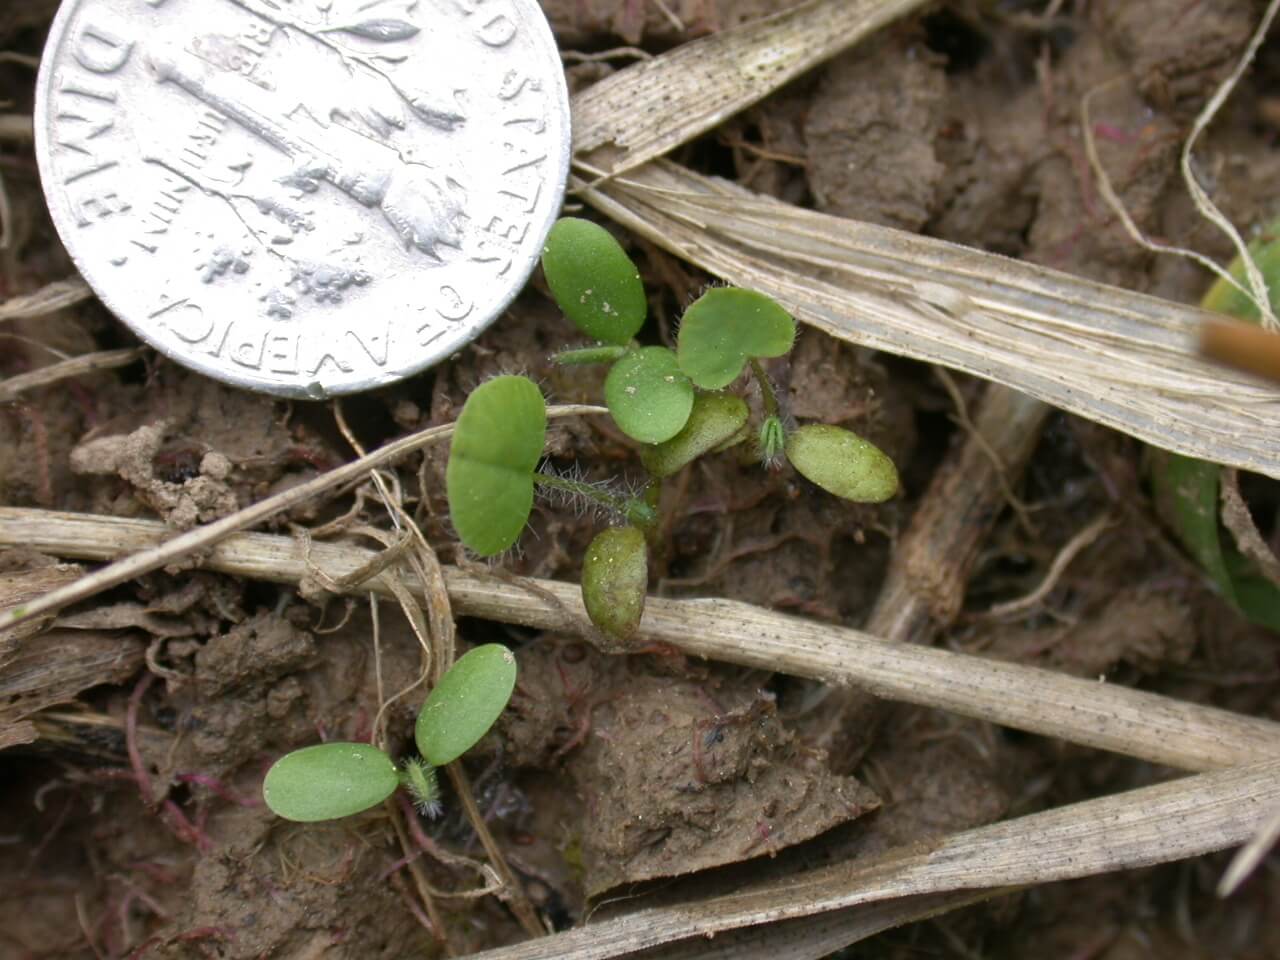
point(648, 396)
point(842, 463)
point(496, 445)
point(714, 419)
point(726, 327)
point(615, 579)
point(465, 703)
point(772, 442)
point(594, 281)
point(328, 781)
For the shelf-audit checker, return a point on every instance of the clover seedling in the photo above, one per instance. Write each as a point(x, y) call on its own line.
point(598, 287)
point(332, 780)
point(673, 402)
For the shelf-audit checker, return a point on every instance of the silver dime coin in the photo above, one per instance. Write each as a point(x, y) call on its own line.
point(306, 197)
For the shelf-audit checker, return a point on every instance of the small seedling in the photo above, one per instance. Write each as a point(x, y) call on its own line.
point(332, 780)
point(672, 402)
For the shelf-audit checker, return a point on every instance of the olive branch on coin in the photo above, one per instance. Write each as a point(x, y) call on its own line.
point(369, 26)
point(424, 212)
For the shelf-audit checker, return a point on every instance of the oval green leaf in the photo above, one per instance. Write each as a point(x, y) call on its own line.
point(648, 396)
point(328, 781)
point(714, 419)
point(593, 280)
point(727, 326)
point(842, 463)
point(497, 443)
point(465, 703)
point(615, 580)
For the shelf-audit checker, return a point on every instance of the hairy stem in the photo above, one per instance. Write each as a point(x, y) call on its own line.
point(636, 511)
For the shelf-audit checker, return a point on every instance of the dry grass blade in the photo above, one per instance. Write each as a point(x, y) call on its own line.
point(654, 106)
point(11, 388)
point(1172, 821)
point(46, 300)
point(812, 938)
point(1117, 357)
point(160, 554)
point(1185, 735)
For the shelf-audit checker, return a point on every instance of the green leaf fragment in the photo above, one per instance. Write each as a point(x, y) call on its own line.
point(647, 394)
point(1187, 490)
point(497, 443)
point(1226, 298)
point(328, 781)
point(1186, 498)
point(593, 280)
point(465, 703)
point(727, 326)
point(842, 463)
point(714, 419)
point(615, 579)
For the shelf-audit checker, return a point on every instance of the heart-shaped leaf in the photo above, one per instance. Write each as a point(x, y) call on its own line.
point(726, 327)
point(594, 281)
point(497, 443)
point(715, 418)
point(842, 463)
point(328, 781)
point(615, 579)
point(465, 703)
point(648, 396)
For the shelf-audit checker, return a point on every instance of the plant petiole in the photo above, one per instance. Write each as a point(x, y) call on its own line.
point(633, 510)
point(585, 356)
point(766, 388)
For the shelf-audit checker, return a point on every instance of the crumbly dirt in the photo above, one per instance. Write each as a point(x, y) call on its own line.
point(634, 776)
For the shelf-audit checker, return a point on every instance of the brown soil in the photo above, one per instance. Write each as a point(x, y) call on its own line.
point(609, 772)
